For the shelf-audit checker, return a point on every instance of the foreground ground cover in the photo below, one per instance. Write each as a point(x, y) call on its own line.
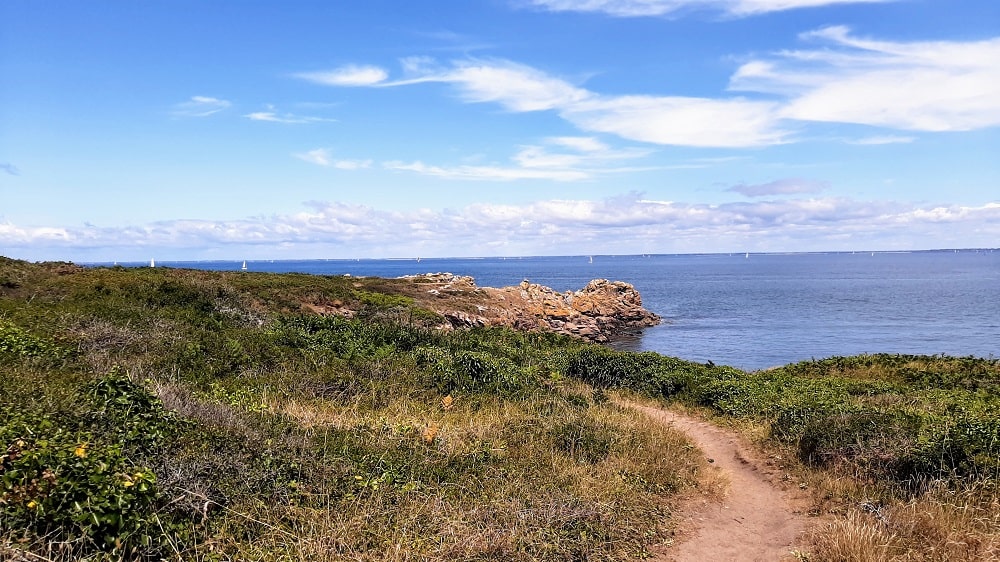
point(900, 452)
point(153, 413)
point(171, 414)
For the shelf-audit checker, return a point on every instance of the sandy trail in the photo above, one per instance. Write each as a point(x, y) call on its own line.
point(756, 521)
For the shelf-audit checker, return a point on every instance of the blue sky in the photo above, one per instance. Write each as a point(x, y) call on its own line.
point(263, 130)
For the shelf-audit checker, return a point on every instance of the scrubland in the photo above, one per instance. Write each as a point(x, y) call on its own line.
point(151, 414)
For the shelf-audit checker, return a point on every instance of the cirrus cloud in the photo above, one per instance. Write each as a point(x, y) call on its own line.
point(914, 86)
point(200, 106)
point(349, 75)
point(666, 120)
point(641, 8)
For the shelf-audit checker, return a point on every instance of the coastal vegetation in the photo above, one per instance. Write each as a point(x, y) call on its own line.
point(190, 415)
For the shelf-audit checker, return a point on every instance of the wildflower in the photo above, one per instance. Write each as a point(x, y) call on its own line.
point(32, 504)
point(81, 450)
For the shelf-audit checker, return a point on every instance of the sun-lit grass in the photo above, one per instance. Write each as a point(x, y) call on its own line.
point(260, 430)
point(270, 433)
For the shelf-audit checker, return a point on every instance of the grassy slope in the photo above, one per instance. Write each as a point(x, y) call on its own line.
point(193, 415)
point(212, 416)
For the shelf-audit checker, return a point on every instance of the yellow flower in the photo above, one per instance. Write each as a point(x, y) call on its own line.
point(32, 504)
point(81, 450)
point(128, 483)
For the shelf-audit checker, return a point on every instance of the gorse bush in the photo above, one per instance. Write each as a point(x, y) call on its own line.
point(474, 371)
point(905, 418)
point(17, 342)
point(128, 414)
point(74, 480)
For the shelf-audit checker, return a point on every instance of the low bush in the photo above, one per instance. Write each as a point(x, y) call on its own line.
point(61, 481)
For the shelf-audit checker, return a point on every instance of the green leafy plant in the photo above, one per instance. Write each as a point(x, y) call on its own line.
point(63, 483)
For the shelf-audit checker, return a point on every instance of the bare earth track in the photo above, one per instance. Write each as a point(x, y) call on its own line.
point(756, 521)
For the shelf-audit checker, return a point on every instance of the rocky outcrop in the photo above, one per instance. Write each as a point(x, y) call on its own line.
point(598, 312)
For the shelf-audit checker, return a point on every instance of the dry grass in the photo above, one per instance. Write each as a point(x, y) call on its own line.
point(531, 502)
point(941, 525)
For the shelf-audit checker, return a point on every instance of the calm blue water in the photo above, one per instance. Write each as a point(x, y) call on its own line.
point(760, 311)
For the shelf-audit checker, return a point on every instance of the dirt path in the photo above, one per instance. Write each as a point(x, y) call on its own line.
point(756, 521)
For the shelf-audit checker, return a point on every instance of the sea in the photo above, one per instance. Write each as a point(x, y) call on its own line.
point(751, 311)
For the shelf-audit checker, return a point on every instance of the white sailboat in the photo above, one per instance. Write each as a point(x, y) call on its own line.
point(152, 263)
point(244, 268)
point(747, 256)
point(591, 259)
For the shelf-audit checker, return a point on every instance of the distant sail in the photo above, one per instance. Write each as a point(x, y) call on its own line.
point(244, 265)
point(152, 263)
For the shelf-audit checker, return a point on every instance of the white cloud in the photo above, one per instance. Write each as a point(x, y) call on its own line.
point(582, 144)
point(323, 157)
point(682, 121)
point(917, 86)
point(289, 118)
point(592, 158)
point(575, 158)
point(638, 8)
point(349, 75)
point(352, 164)
point(912, 86)
point(578, 158)
point(492, 173)
point(319, 156)
point(882, 139)
point(515, 87)
point(786, 186)
point(625, 224)
point(666, 120)
point(200, 106)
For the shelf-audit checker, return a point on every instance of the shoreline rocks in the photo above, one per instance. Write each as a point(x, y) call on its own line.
point(599, 312)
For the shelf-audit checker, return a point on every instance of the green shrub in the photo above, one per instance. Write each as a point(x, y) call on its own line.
point(869, 444)
point(473, 371)
point(62, 483)
point(129, 414)
point(18, 342)
point(382, 302)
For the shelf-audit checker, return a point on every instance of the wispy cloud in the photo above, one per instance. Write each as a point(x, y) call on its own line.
point(10, 169)
point(630, 223)
point(786, 186)
point(489, 173)
point(913, 86)
point(323, 157)
point(350, 75)
point(352, 164)
point(682, 121)
point(882, 139)
point(640, 8)
point(200, 106)
point(557, 159)
point(917, 86)
point(666, 120)
point(319, 156)
point(288, 118)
